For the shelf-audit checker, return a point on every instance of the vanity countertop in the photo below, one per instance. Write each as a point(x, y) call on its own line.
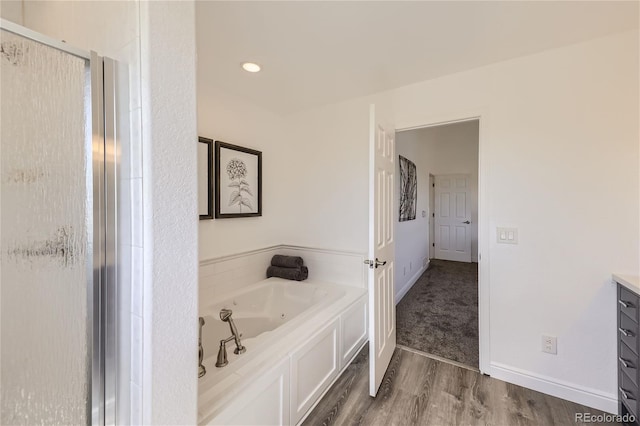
point(632, 282)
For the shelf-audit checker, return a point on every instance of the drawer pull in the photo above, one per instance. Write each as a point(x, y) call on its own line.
point(626, 332)
point(625, 362)
point(625, 395)
point(626, 304)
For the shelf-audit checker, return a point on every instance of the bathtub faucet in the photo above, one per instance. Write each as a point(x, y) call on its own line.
point(225, 315)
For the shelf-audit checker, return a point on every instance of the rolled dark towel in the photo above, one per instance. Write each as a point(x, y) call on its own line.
point(296, 274)
point(287, 261)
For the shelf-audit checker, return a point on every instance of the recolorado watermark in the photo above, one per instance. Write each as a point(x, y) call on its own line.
point(604, 418)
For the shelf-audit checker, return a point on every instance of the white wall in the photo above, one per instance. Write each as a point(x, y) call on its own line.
point(170, 138)
point(329, 178)
point(307, 201)
point(230, 119)
point(559, 147)
point(11, 10)
point(412, 236)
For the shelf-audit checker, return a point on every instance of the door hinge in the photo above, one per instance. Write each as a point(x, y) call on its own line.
point(433, 215)
point(433, 244)
point(433, 184)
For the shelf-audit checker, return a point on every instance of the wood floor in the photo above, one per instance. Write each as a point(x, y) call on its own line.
point(422, 391)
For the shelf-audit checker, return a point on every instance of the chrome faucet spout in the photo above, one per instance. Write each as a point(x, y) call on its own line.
point(222, 353)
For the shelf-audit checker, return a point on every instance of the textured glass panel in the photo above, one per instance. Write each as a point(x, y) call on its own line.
point(45, 234)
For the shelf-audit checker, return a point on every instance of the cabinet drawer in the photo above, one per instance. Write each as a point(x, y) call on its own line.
point(628, 393)
point(627, 332)
point(628, 303)
point(628, 363)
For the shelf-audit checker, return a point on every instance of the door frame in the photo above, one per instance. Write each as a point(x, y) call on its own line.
point(484, 288)
point(432, 217)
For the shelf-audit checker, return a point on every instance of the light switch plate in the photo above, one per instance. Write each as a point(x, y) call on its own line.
point(550, 344)
point(507, 235)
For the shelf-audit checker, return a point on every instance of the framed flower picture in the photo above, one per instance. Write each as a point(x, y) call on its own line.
point(238, 181)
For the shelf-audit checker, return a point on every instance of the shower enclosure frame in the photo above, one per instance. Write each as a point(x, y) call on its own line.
point(102, 283)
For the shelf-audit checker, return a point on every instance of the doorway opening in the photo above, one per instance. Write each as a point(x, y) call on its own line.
point(437, 252)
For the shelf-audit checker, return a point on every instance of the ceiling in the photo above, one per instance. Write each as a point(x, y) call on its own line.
point(314, 53)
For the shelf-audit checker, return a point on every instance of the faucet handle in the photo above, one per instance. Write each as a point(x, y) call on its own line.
point(201, 370)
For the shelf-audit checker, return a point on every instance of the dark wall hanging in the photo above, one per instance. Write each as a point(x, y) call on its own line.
point(205, 178)
point(238, 181)
point(408, 189)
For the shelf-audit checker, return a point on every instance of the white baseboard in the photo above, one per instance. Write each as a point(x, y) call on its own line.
point(569, 391)
point(404, 290)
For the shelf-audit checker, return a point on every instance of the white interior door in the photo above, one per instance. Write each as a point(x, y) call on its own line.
point(453, 218)
point(382, 312)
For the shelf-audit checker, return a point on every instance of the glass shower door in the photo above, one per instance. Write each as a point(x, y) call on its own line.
point(46, 234)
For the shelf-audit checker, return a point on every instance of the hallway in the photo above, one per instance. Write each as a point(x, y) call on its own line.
point(439, 315)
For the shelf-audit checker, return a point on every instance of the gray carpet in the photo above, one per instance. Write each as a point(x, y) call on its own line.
point(439, 315)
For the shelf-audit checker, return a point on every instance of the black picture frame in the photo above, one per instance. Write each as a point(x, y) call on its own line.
point(209, 184)
point(237, 181)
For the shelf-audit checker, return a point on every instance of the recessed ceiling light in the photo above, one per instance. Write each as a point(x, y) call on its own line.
point(251, 67)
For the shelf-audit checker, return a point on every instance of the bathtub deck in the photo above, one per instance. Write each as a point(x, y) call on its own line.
point(423, 391)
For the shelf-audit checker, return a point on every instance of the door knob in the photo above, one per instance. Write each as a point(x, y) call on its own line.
point(467, 222)
point(378, 263)
point(375, 263)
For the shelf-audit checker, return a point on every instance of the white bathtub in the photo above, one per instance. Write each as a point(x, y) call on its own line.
point(274, 317)
point(258, 311)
